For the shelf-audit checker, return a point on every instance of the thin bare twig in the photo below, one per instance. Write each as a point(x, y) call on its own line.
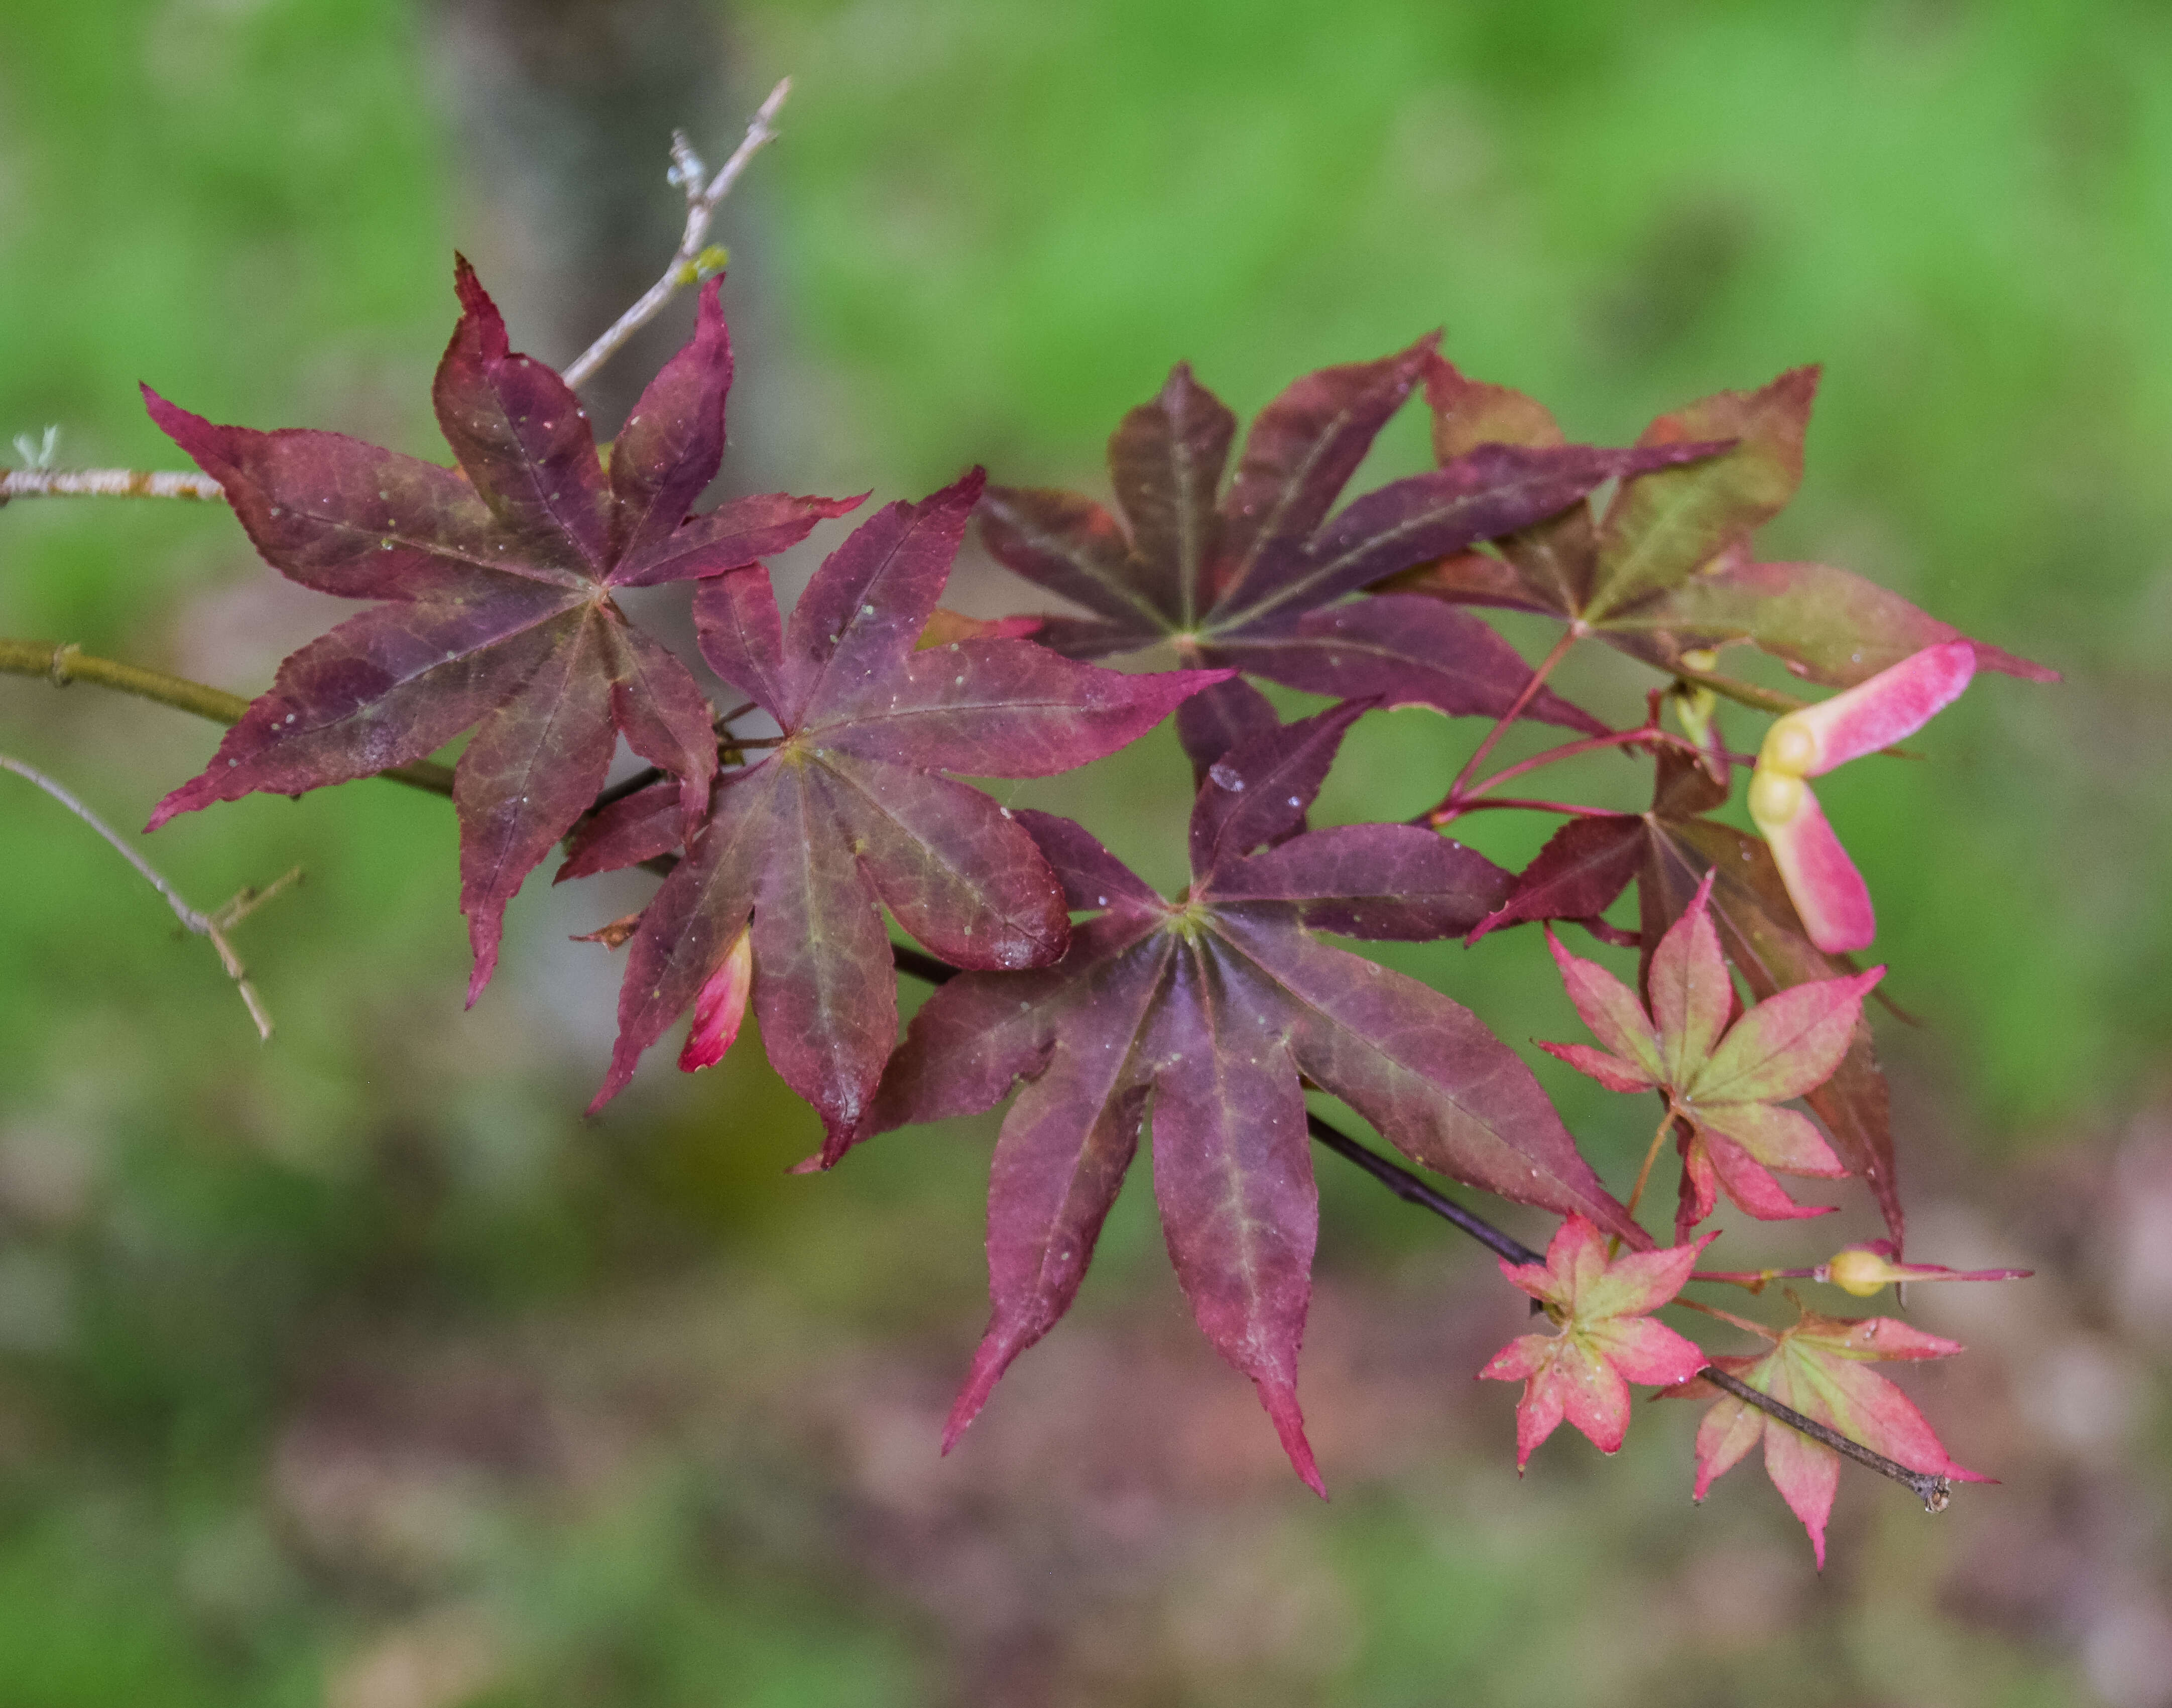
point(701, 200)
point(62, 663)
point(107, 483)
point(212, 926)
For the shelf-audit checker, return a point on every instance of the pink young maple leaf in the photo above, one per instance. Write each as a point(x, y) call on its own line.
point(497, 578)
point(851, 813)
point(1213, 1011)
point(1607, 1340)
point(1258, 576)
point(1723, 1082)
point(1817, 1368)
point(1827, 891)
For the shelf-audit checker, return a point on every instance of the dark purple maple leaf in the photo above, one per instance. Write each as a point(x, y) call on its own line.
point(851, 813)
point(1258, 579)
point(1668, 569)
point(497, 578)
point(1217, 1008)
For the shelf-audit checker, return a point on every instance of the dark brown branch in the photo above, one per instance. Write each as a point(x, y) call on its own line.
point(1412, 1190)
point(1933, 1489)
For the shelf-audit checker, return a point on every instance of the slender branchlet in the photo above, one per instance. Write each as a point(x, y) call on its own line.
point(688, 264)
point(212, 926)
point(107, 483)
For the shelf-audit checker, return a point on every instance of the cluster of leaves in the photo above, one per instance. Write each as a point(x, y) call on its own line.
point(791, 824)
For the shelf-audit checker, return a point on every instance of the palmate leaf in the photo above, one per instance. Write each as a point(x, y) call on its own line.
point(1817, 1366)
point(1257, 577)
point(497, 578)
point(851, 812)
point(1214, 1010)
point(1669, 569)
point(1723, 1071)
point(1607, 1340)
point(1669, 850)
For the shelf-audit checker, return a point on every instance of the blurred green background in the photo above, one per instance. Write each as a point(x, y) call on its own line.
point(358, 1369)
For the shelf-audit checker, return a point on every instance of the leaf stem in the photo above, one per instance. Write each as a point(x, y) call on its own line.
point(108, 483)
point(1651, 1155)
point(1459, 800)
point(62, 663)
point(1727, 1317)
point(701, 201)
point(1530, 689)
point(1510, 803)
point(1755, 1280)
point(212, 926)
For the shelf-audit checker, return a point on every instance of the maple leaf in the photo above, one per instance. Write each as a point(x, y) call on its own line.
point(1257, 580)
point(851, 811)
point(1817, 1368)
point(1668, 570)
point(498, 580)
point(1827, 891)
point(1218, 1007)
point(1668, 850)
point(1607, 1340)
point(1722, 1082)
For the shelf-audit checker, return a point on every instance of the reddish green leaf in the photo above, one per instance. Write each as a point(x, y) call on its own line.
point(1719, 1079)
point(1830, 625)
point(1817, 1368)
point(1607, 1340)
point(1764, 940)
point(1670, 570)
point(1664, 526)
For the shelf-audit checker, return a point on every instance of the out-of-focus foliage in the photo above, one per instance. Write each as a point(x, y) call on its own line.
point(351, 1370)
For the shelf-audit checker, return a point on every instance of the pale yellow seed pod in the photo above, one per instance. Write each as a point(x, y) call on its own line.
point(1862, 1273)
point(1776, 796)
point(1791, 747)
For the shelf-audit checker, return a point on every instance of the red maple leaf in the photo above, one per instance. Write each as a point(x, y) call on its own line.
point(850, 813)
point(1607, 1340)
point(1723, 1071)
point(497, 578)
point(1817, 1368)
point(1218, 1007)
point(1258, 578)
